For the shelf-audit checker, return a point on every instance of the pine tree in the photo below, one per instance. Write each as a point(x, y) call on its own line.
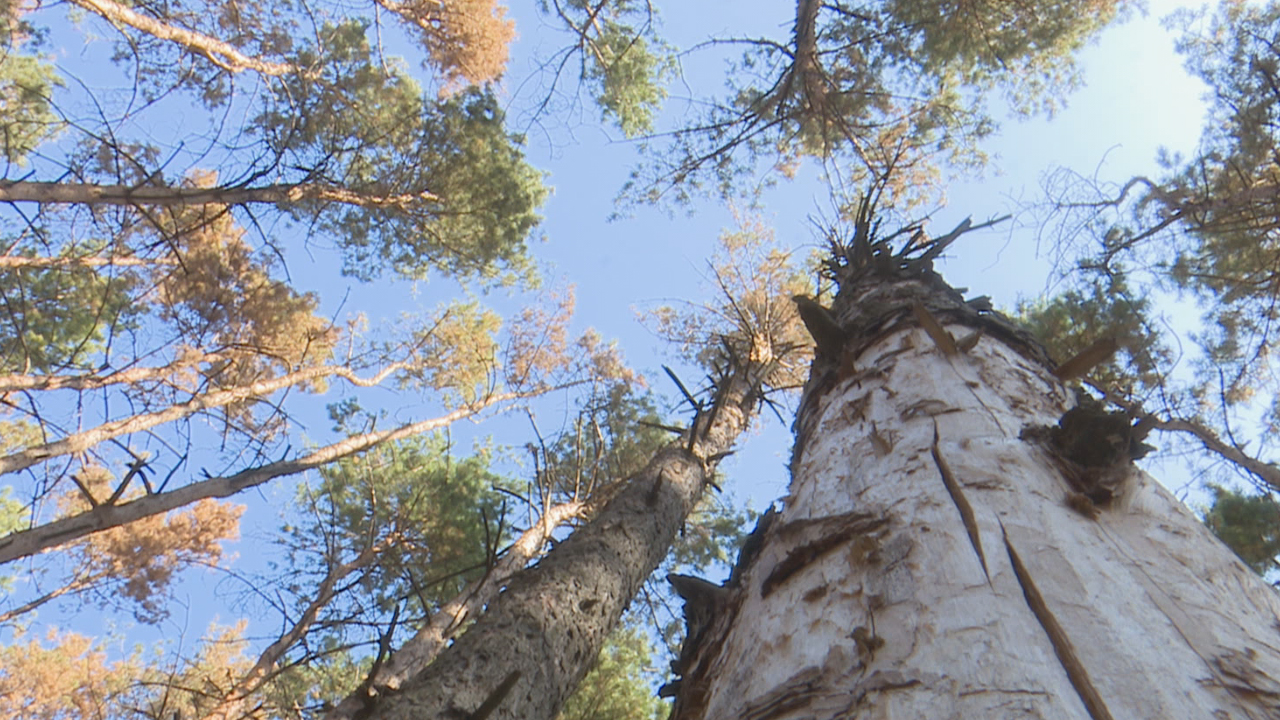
point(965, 536)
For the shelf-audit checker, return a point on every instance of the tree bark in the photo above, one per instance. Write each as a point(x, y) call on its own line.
point(541, 635)
point(945, 552)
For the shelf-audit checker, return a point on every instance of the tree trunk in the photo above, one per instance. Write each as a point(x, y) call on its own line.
point(950, 549)
point(526, 654)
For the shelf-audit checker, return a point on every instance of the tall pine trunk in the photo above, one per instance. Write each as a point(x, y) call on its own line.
point(956, 545)
point(527, 652)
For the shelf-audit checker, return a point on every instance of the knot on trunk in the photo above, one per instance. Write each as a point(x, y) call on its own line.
point(1095, 447)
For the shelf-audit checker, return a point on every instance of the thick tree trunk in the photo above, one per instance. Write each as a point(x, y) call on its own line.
point(526, 654)
point(944, 554)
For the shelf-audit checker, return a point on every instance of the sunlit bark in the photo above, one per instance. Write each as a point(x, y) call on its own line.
point(936, 557)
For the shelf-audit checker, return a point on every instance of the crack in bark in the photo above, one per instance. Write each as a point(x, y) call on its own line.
point(1058, 637)
point(960, 501)
point(833, 532)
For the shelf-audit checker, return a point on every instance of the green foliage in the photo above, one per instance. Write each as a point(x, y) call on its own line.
point(881, 91)
point(713, 531)
point(1248, 524)
point(57, 318)
point(26, 111)
point(619, 686)
point(428, 514)
point(13, 514)
point(1208, 228)
point(468, 199)
point(625, 64)
point(990, 43)
point(607, 444)
point(1101, 307)
point(625, 79)
point(335, 673)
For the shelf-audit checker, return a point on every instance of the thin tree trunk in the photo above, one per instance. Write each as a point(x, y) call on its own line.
point(944, 554)
point(89, 194)
point(538, 638)
point(59, 532)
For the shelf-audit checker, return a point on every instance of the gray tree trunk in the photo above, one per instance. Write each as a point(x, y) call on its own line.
point(526, 654)
point(949, 549)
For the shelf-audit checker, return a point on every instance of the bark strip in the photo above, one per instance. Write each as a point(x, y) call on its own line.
point(961, 502)
point(1058, 637)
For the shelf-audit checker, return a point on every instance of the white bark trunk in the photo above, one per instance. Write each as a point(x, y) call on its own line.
point(927, 564)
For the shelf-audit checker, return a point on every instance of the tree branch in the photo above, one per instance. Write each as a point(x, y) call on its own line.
point(60, 532)
point(216, 51)
point(19, 261)
point(79, 442)
point(92, 194)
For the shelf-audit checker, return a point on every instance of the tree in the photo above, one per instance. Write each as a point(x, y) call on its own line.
point(536, 641)
point(965, 537)
point(1203, 230)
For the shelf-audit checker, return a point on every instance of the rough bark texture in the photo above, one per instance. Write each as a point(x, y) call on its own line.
point(949, 549)
point(450, 619)
point(536, 641)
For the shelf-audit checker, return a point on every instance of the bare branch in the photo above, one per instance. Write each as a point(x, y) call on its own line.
point(92, 194)
point(231, 706)
point(82, 441)
point(60, 532)
point(216, 51)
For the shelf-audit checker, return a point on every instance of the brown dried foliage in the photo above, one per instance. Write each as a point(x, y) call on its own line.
point(754, 280)
point(66, 676)
point(143, 556)
point(221, 295)
point(466, 40)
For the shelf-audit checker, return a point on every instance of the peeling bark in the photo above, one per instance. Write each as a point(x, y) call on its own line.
point(985, 594)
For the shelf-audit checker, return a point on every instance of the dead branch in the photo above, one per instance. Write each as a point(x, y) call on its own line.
point(25, 543)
